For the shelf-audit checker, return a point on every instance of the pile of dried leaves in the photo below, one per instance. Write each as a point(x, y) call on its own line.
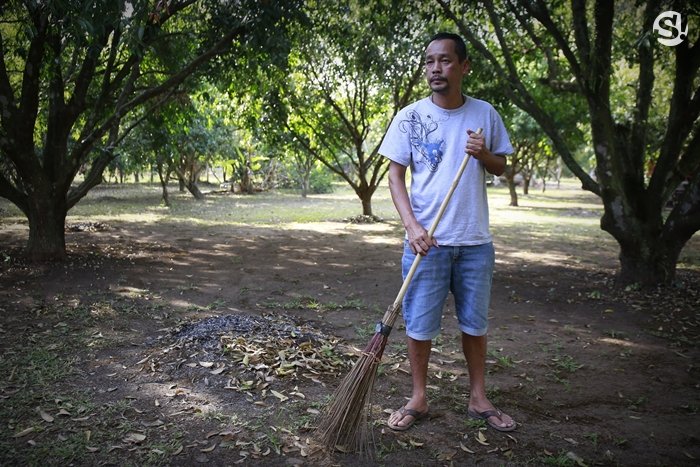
point(249, 353)
point(87, 227)
point(363, 219)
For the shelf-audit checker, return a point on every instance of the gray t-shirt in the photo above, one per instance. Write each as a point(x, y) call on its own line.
point(431, 141)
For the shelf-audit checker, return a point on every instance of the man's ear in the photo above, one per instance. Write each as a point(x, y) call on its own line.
point(466, 67)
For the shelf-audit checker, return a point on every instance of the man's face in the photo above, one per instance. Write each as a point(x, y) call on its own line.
point(443, 70)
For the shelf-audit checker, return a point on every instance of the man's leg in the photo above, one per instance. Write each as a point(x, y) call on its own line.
point(418, 355)
point(422, 313)
point(474, 348)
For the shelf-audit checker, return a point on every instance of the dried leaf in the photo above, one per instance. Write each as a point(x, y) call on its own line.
point(481, 439)
point(134, 438)
point(447, 455)
point(24, 432)
point(209, 449)
point(47, 418)
point(207, 364)
point(578, 460)
point(144, 360)
point(280, 396)
point(157, 422)
point(465, 449)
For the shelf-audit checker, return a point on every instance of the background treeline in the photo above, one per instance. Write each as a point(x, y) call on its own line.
point(299, 93)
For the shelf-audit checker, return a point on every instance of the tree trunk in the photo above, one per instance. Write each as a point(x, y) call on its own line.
point(47, 220)
point(364, 191)
point(367, 205)
point(510, 180)
point(526, 184)
point(651, 242)
point(194, 189)
point(648, 253)
point(163, 176)
point(513, 193)
point(305, 185)
point(647, 262)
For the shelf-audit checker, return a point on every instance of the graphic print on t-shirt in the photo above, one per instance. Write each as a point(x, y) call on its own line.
point(419, 134)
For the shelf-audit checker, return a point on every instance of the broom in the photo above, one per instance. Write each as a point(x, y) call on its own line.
point(344, 422)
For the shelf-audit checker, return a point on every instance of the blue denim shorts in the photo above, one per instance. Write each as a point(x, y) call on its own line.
point(466, 271)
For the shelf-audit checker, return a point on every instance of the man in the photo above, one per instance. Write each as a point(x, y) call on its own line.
point(431, 136)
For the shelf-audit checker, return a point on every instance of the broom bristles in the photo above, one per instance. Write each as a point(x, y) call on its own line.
point(344, 423)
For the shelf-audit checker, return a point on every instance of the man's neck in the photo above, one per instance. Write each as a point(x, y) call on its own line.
point(452, 101)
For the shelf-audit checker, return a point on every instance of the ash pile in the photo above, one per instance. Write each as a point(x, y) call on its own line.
point(252, 354)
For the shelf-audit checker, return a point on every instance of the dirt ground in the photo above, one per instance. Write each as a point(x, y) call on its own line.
point(177, 344)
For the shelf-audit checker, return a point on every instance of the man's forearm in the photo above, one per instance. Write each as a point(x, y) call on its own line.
point(399, 195)
point(494, 164)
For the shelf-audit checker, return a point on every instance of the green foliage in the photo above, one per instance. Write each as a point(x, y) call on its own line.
point(321, 181)
point(592, 74)
point(78, 77)
point(350, 71)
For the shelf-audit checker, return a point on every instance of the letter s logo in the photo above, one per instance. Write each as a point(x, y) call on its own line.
point(669, 27)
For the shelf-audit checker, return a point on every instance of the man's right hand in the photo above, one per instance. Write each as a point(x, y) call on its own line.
point(419, 240)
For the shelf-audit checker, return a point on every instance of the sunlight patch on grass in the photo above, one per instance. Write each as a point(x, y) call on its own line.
point(551, 258)
point(559, 225)
point(136, 217)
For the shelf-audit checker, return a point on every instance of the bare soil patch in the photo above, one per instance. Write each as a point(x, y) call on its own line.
point(178, 344)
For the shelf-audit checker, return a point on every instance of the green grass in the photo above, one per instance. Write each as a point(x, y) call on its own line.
point(313, 304)
point(275, 207)
point(558, 225)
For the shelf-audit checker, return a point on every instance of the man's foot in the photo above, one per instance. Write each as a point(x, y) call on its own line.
point(494, 418)
point(404, 418)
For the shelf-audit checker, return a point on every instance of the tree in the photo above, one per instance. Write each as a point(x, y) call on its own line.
point(356, 67)
point(585, 45)
point(531, 152)
point(73, 74)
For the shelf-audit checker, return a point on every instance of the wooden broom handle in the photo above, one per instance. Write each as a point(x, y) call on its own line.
point(431, 232)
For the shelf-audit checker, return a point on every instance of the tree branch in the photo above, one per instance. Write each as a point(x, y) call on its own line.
point(518, 93)
point(541, 13)
point(155, 91)
point(644, 88)
point(581, 35)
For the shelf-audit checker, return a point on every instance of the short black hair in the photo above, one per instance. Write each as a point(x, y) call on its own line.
point(460, 46)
